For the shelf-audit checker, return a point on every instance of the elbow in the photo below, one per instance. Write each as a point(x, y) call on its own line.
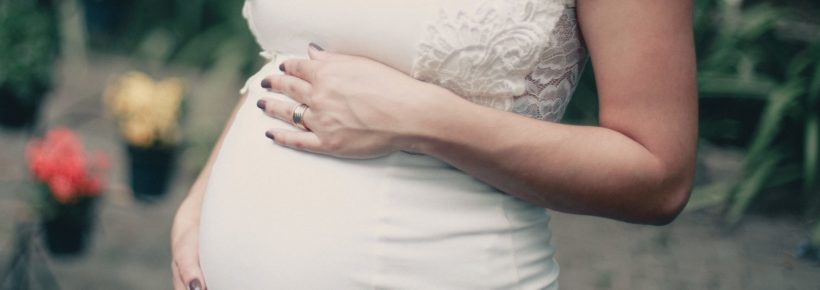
point(666, 215)
point(659, 199)
point(672, 200)
point(667, 194)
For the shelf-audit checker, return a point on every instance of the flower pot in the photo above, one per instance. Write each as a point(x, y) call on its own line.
point(17, 112)
point(66, 231)
point(151, 170)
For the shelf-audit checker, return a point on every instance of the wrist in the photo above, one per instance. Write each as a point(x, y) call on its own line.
point(428, 125)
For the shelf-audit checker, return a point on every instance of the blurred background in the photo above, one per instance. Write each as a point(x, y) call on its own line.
point(109, 108)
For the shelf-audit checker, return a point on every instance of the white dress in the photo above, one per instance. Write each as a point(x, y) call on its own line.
point(276, 218)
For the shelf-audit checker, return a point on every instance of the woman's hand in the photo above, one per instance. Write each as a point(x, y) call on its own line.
point(357, 107)
point(187, 274)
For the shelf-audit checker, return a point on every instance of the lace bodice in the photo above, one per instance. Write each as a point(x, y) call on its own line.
point(523, 56)
point(553, 81)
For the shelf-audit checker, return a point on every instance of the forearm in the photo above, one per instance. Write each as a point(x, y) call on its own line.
point(577, 169)
point(637, 166)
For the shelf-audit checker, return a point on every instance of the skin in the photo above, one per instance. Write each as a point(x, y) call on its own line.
point(636, 166)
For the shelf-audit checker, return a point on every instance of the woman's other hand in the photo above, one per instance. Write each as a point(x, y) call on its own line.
point(187, 274)
point(357, 107)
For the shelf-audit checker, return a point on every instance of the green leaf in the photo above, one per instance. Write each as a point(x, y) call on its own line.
point(810, 161)
point(750, 186)
point(788, 172)
point(708, 196)
point(799, 63)
point(770, 121)
point(758, 20)
point(815, 235)
point(734, 86)
point(814, 87)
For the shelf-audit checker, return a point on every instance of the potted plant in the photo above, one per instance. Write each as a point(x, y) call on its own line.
point(29, 43)
point(148, 114)
point(69, 181)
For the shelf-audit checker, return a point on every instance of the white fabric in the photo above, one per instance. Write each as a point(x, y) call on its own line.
point(276, 218)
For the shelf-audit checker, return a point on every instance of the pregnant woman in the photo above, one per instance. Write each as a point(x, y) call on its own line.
point(415, 145)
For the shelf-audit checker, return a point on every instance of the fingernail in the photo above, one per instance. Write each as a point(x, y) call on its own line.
point(266, 83)
point(282, 67)
point(269, 135)
point(195, 285)
point(261, 104)
point(316, 46)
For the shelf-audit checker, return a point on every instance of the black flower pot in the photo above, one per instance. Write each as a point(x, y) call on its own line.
point(151, 170)
point(66, 232)
point(17, 112)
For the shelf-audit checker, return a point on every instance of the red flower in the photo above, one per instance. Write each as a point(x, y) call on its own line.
point(61, 189)
point(60, 161)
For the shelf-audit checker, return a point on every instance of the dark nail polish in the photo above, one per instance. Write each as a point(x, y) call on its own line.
point(195, 285)
point(316, 46)
point(261, 104)
point(266, 83)
point(282, 67)
point(269, 135)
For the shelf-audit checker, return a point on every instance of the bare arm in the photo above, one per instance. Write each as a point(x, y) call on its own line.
point(637, 166)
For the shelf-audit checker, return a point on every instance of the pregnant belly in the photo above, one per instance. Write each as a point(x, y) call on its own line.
point(276, 218)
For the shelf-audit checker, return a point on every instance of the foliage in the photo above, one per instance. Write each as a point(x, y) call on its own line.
point(762, 60)
point(747, 57)
point(191, 32)
point(147, 111)
point(69, 175)
point(759, 87)
point(29, 44)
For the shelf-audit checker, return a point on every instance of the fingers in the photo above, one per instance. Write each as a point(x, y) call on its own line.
point(307, 69)
point(278, 109)
point(189, 276)
point(304, 69)
point(177, 280)
point(282, 110)
point(316, 52)
point(186, 269)
point(299, 140)
point(293, 87)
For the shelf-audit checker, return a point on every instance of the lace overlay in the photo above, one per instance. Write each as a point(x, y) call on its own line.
point(517, 55)
point(551, 84)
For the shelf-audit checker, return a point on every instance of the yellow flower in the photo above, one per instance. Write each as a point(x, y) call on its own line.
point(147, 111)
point(137, 133)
